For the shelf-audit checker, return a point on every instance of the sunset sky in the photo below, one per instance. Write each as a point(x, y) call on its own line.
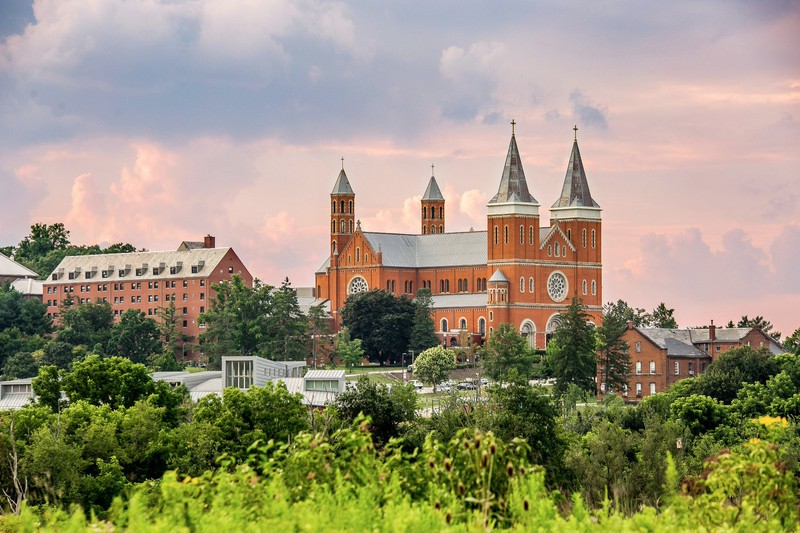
point(152, 122)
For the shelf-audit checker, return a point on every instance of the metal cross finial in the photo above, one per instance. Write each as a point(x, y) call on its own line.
point(513, 123)
point(431, 169)
point(342, 162)
point(575, 129)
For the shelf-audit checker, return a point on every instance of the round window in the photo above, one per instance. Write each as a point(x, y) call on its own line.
point(557, 286)
point(357, 284)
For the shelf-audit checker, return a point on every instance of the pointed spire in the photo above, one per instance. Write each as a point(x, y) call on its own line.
point(433, 192)
point(513, 187)
point(342, 185)
point(575, 192)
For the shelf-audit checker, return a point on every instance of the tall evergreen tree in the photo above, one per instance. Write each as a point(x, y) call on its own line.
point(287, 326)
point(135, 336)
point(613, 360)
point(663, 317)
point(573, 357)
point(423, 330)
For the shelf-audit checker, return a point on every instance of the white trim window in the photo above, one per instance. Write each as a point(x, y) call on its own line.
point(638, 367)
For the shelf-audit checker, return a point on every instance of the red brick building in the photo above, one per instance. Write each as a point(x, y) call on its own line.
point(147, 281)
point(517, 270)
point(660, 356)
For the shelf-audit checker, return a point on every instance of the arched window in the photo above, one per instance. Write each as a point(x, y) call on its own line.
point(482, 326)
point(388, 286)
point(441, 285)
point(491, 316)
point(594, 287)
point(433, 229)
point(441, 213)
point(466, 285)
point(530, 284)
point(441, 228)
point(351, 206)
point(583, 287)
point(528, 332)
point(333, 206)
point(505, 234)
point(393, 286)
point(564, 251)
point(333, 245)
point(433, 213)
point(343, 228)
point(358, 254)
point(366, 258)
point(462, 324)
point(447, 285)
point(351, 226)
point(594, 239)
point(557, 249)
point(411, 287)
point(444, 325)
point(521, 284)
point(530, 235)
point(424, 230)
point(569, 235)
point(522, 234)
point(495, 234)
point(583, 237)
point(424, 212)
point(341, 206)
point(333, 226)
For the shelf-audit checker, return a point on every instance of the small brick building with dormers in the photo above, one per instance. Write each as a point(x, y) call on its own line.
point(660, 356)
point(147, 281)
point(515, 271)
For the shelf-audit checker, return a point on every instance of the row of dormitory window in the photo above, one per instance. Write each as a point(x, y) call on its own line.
point(637, 388)
point(103, 287)
point(677, 367)
point(133, 299)
point(554, 249)
point(174, 270)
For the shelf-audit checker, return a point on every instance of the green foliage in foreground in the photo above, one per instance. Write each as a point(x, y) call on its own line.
point(475, 482)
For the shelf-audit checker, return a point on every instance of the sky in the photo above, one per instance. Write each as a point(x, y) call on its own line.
point(153, 122)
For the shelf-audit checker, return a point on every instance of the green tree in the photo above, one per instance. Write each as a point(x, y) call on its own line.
point(507, 357)
point(236, 321)
point(47, 387)
point(319, 324)
point(287, 326)
point(349, 351)
point(792, 342)
point(613, 359)
point(135, 336)
point(573, 356)
point(29, 315)
point(724, 377)
point(423, 330)
point(621, 311)
point(760, 323)
point(42, 240)
point(433, 365)
point(662, 317)
point(86, 324)
point(387, 408)
point(382, 321)
point(56, 353)
point(172, 337)
point(20, 365)
point(113, 381)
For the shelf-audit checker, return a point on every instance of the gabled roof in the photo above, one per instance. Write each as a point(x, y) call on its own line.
point(427, 251)
point(342, 185)
point(575, 191)
point(11, 269)
point(28, 286)
point(190, 245)
point(513, 186)
point(720, 334)
point(432, 192)
point(556, 230)
point(677, 342)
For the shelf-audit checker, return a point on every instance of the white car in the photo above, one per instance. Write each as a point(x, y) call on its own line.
point(443, 388)
point(417, 384)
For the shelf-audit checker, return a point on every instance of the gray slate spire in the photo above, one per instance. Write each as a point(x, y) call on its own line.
point(342, 185)
point(575, 192)
point(432, 192)
point(513, 187)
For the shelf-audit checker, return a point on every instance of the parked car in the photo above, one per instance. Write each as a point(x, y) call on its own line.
point(417, 384)
point(443, 387)
point(465, 385)
point(484, 381)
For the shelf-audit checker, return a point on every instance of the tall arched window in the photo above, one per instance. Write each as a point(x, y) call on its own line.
point(444, 325)
point(424, 230)
point(522, 234)
point(388, 286)
point(583, 287)
point(351, 207)
point(393, 286)
point(441, 213)
point(528, 331)
point(505, 234)
point(351, 226)
point(447, 285)
point(333, 226)
point(557, 249)
point(549, 250)
point(521, 284)
point(411, 287)
point(433, 213)
point(343, 227)
point(341, 206)
point(425, 212)
point(441, 228)
point(569, 235)
point(530, 235)
point(433, 229)
point(530, 285)
point(594, 238)
point(481, 326)
point(460, 285)
point(333, 245)
point(441, 285)
point(358, 254)
point(462, 324)
point(583, 237)
point(594, 287)
point(333, 207)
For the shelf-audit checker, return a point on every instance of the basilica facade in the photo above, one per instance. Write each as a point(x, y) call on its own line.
point(516, 271)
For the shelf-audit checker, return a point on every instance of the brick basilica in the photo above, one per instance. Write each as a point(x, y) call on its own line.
point(518, 270)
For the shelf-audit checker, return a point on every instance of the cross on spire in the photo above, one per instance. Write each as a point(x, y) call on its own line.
point(575, 129)
point(342, 162)
point(431, 169)
point(513, 124)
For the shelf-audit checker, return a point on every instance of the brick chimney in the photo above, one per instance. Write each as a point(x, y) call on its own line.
point(712, 331)
point(630, 324)
point(209, 241)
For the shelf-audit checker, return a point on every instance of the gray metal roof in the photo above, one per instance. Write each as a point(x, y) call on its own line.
point(677, 342)
point(498, 277)
point(575, 191)
point(12, 269)
point(429, 251)
point(325, 374)
point(432, 192)
point(450, 301)
point(314, 398)
point(513, 186)
point(342, 185)
point(113, 263)
point(721, 334)
point(28, 286)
